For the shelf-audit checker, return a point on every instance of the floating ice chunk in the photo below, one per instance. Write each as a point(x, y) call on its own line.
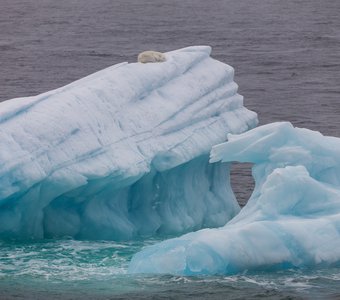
point(291, 220)
point(122, 152)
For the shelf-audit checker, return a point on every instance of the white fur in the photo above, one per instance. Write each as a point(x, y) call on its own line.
point(151, 57)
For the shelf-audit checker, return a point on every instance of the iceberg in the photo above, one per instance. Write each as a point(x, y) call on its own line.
point(292, 219)
point(122, 153)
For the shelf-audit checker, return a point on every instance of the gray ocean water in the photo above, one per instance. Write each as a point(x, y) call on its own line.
point(287, 60)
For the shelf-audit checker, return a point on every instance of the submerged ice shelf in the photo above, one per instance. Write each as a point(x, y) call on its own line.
point(291, 220)
point(123, 152)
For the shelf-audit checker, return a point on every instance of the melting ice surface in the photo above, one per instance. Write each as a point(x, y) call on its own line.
point(291, 220)
point(122, 153)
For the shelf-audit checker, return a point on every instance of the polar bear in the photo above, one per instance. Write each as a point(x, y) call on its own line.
point(151, 57)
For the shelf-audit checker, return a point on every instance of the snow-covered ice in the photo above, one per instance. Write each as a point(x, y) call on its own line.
point(123, 152)
point(291, 220)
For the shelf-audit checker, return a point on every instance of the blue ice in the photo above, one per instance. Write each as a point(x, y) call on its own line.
point(292, 219)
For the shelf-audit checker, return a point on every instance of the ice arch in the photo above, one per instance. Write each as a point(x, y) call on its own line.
point(292, 219)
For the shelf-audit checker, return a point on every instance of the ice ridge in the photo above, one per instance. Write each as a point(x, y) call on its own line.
point(123, 152)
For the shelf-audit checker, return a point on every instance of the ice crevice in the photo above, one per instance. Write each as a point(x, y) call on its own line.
point(122, 153)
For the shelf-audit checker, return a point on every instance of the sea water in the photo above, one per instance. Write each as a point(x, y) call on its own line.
point(69, 269)
point(287, 60)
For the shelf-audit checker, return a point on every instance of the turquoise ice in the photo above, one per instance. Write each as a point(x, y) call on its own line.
point(292, 219)
point(122, 153)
